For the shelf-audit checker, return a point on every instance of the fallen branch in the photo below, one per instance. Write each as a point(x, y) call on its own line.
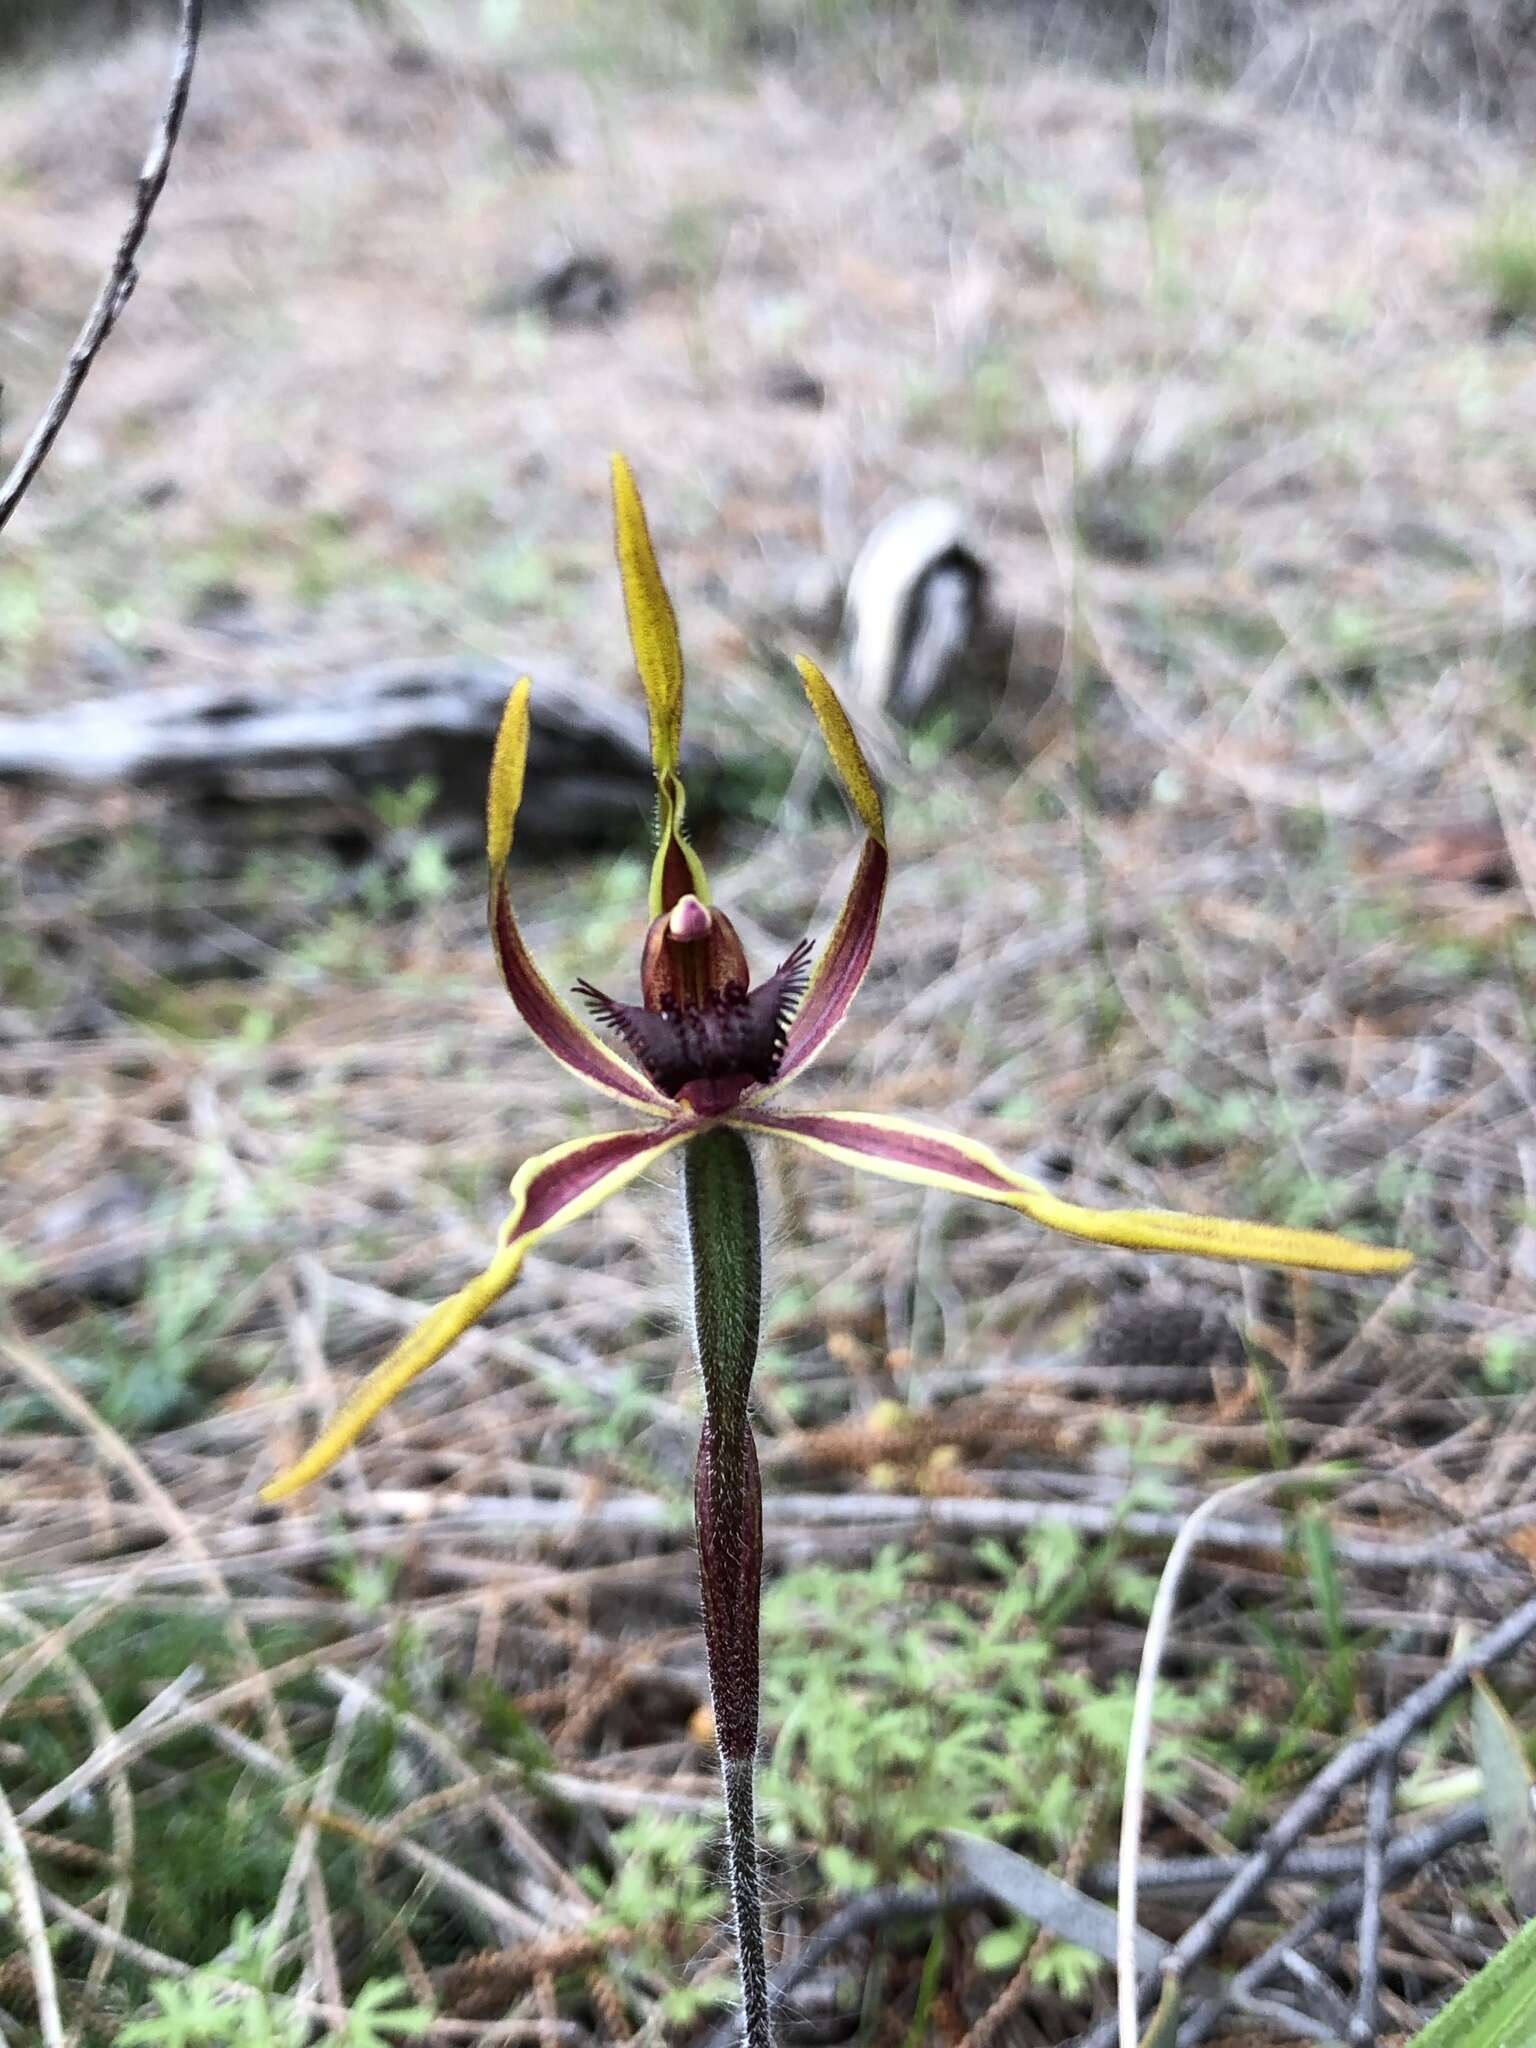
point(123, 275)
point(1405, 1859)
point(1378, 1822)
point(789, 1515)
point(1303, 1866)
point(314, 754)
point(1353, 1763)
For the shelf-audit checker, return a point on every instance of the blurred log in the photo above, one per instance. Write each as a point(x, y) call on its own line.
point(325, 751)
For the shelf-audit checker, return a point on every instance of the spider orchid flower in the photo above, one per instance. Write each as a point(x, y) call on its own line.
point(703, 1058)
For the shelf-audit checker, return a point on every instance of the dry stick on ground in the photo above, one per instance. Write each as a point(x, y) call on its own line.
point(1210, 1873)
point(1356, 1761)
point(1139, 1743)
point(124, 1742)
point(28, 1910)
point(1378, 1827)
point(1407, 1856)
point(795, 1517)
point(123, 275)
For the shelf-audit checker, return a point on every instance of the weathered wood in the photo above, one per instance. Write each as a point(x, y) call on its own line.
point(925, 631)
point(311, 750)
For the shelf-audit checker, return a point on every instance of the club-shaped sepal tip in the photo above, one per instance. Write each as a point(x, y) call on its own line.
point(677, 869)
point(509, 762)
point(652, 621)
point(902, 1150)
point(853, 771)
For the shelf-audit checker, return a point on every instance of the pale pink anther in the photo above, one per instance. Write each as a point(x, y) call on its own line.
point(689, 921)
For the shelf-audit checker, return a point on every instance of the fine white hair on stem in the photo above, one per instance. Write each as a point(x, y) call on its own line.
point(34, 1932)
point(1159, 1624)
point(123, 274)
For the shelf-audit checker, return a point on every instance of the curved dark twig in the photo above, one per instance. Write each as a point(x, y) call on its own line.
point(1378, 1828)
point(1408, 1855)
point(1326, 1864)
point(1358, 1760)
point(123, 275)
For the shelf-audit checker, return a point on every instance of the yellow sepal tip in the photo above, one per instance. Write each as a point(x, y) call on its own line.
point(652, 621)
point(432, 1336)
point(508, 763)
point(853, 771)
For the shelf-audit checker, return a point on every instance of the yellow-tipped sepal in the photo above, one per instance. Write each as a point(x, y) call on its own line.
point(901, 1150)
point(652, 621)
point(677, 870)
point(844, 960)
point(547, 1193)
point(504, 793)
point(853, 771)
point(561, 1033)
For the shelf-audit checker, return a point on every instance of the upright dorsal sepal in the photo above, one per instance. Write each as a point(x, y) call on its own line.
point(677, 871)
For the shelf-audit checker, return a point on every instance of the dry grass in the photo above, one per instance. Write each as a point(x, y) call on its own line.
point(1229, 938)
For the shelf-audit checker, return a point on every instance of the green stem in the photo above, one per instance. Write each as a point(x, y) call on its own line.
point(725, 1239)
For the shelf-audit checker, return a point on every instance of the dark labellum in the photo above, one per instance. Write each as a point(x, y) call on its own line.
point(702, 1034)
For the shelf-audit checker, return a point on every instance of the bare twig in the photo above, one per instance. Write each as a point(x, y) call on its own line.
point(788, 1516)
point(123, 275)
point(1408, 1855)
point(28, 1908)
point(166, 1705)
point(519, 1843)
point(307, 1841)
point(1357, 1761)
point(1139, 1743)
point(1347, 1860)
point(504, 1920)
point(1378, 1822)
point(1348, 1767)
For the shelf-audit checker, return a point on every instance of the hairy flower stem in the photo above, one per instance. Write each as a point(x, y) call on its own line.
point(726, 1242)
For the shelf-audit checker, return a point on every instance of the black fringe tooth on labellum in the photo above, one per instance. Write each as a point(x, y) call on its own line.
point(732, 1034)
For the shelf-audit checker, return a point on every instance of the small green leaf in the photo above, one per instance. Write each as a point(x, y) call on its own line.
point(374, 2022)
point(1165, 2021)
point(846, 1872)
point(1497, 2009)
point(1067, 1969)
point(1506, 1793)
point(1004, 1948)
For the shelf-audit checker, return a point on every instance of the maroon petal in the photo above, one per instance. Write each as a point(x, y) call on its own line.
point(557, 1030)
point(841, 969)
